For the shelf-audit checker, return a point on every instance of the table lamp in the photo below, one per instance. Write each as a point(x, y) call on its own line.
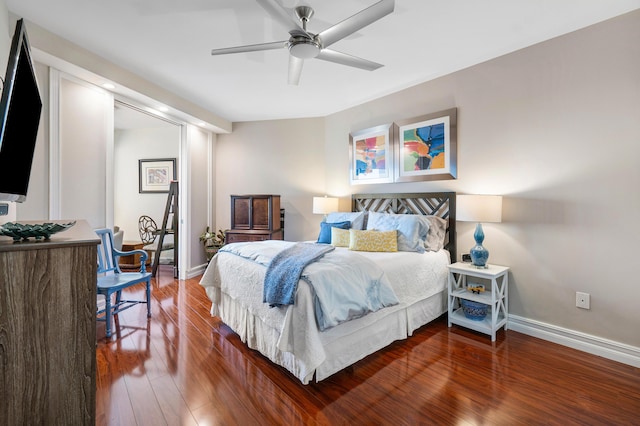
point(479, 208)
point(325, 205)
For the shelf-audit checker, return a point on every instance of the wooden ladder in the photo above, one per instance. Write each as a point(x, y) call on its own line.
point(170, 209)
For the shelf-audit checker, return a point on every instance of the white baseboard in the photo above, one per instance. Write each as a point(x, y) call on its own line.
point(195, 271)
point(609, 349)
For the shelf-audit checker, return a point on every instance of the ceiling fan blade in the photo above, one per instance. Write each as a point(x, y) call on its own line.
point(355, 22)
point(350, 60)
point(250, 48)
point(281, 15)
point(295, 69)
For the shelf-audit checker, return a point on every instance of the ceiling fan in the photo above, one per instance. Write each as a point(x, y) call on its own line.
point(305, 45)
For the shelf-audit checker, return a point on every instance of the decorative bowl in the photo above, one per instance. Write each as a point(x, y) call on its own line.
point(475, 311)
point(19, 231)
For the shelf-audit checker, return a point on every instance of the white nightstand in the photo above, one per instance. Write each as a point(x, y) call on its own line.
point(460, 276)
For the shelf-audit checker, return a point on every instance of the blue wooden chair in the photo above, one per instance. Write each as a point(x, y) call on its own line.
point(112, 280)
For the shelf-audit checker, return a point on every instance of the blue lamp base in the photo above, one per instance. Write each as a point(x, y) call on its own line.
point(479, 254)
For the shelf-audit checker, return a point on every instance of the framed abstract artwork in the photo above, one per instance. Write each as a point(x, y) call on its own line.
point(371, 155)
point(426, 147)
point(155, 175)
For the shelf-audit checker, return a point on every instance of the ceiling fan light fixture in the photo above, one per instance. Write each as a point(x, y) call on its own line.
point(305, 45)
point(304, 48)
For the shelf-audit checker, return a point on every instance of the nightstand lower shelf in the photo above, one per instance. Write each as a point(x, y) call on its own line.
point(483, 326)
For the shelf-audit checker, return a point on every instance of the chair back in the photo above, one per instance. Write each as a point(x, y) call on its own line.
point(106, 260)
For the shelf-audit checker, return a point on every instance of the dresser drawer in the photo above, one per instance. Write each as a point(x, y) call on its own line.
point(239, 236)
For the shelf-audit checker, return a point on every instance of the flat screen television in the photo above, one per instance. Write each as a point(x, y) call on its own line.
point(20, 109)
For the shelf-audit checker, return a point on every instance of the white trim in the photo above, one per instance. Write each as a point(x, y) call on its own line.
point(195, 271)
point(605, 348)
point(109, 113)
point(184, 209)
point(211, 182)
point(54, 143)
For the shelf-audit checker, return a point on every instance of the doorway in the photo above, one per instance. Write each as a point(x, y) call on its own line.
point(140, 137)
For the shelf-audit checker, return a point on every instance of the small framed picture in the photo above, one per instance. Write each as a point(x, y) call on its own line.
point(156, 174)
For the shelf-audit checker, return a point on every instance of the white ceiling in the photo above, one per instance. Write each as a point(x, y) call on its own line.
point(168, 42)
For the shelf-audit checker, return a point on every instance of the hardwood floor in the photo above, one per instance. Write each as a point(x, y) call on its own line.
point(183, 367)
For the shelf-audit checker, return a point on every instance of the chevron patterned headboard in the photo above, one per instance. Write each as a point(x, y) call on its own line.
point(442, 204)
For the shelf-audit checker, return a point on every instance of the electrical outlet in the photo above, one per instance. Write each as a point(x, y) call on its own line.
point(583, 300)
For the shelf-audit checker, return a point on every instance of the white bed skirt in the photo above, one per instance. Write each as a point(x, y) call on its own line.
point(343, 345)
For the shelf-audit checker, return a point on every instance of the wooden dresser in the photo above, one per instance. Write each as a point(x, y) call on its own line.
point(48, 328)
point(255, 218)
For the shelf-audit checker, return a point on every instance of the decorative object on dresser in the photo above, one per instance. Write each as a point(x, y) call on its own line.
point(325, 205)
point(39, 231)
point(479, 208)
point(255, 217)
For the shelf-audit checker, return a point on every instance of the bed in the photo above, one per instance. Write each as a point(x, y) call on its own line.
point(290, 335)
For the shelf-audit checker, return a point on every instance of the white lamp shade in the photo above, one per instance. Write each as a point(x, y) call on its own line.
point(325, 205)
point(479, 208)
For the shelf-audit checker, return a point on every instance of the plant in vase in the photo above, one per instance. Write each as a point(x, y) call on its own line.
point(212, 242)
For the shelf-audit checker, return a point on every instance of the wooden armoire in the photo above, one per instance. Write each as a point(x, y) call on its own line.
point(255, 218)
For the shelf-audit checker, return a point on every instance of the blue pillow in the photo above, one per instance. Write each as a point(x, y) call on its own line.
point(356, 218)
point(325, 230)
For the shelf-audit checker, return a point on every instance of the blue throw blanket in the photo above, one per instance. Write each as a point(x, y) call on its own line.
point(285, 269)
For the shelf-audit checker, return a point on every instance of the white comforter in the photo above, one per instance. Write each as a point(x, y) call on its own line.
point(345, 284)
point(413, 277)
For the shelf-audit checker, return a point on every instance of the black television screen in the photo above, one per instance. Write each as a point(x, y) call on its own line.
point(20, 109)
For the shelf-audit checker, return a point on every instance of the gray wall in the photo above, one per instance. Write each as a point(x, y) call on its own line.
point(130, 146)
point(81, 150)
point(554, 128)
point(285, 157)
point(199, 171)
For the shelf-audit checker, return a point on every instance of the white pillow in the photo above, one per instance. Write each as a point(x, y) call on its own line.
point(412, 229)
point(356, 218)
point(436, 235)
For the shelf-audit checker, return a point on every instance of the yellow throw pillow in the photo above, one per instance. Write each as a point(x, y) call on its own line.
point(373, 240)
point(339, 237)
